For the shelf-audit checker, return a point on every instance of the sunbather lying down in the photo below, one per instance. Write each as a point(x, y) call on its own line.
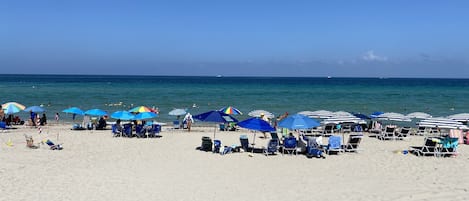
point(52, 145)
point(30, 142)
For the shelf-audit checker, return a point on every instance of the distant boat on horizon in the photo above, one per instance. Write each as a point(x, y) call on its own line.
point(329, 77)
point(219, 76)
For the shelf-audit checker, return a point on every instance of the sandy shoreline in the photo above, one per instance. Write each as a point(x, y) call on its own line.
point(95, 166)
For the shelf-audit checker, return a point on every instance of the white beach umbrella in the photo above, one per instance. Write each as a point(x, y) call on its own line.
point(441, 122)
point(459, 117)
point(342, 114)
point(258, 113)
point(320, 114)
point(418, 115)
point(392, 116)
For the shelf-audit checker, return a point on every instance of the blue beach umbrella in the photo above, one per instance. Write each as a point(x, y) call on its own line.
point(35, 109)
point(256, 124)
point(376, 114)
point(361, 116)
point(124, 115)
point(74, 110)
point(215, 116)
point(145, 115)
point(298, 121)
point(96, 112)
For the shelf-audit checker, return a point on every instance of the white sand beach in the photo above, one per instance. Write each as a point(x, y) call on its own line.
point(96, 166)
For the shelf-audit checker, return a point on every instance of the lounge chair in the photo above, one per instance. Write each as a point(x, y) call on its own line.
point(115, 130)
point(140, 131)
point(313, 149)
point(3, 126)
point(77, 127)
point(272, 147)
point(176, 124)
point(428, 149)
point(353, 143)
point(52, 145)
point(206, 144)
point(222, 127)
point(127, 131)
point(402, 134)
point(155, 131)
point(388, 134)
point(290, 146)
point(329, 130)
point(334, 144)
point(274, 135)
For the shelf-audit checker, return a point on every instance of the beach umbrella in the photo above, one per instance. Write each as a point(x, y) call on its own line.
point(392, 116)
point(142, 109)
point(74, 110)
point(361, 116)
point(459, 117)
point(298, 121)
point(177, 112)
point(441, 122)
point(35, 109)
point(12, 107)
point(259, 113)
point(230, 110)
point(96, 112)
point(124, 115)
point(342, 114)
point(215, 116)
point(256, 124)
point(320, 114)
point(376, 114)
point(418, 115)
point(145, 115)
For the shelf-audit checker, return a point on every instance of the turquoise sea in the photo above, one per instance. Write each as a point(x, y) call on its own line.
point(438, 97)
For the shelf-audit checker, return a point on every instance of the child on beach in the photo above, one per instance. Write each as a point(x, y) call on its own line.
point(57, 116)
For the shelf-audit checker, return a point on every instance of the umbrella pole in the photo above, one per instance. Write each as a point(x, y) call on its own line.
point(214, 131)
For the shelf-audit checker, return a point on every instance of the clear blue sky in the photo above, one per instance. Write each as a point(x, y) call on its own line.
point(236, 38)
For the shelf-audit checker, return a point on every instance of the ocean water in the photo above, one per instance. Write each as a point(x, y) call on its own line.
point(438, 97)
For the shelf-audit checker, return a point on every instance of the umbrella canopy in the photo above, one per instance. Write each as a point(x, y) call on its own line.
point(256, 124)
point(321, 114)
point(376, 114)
point(12, 107)
point(259, 113)
point(392, 116)
point(35, 109)
point(418, 115)
point(441, 123)
point(361, 116)
point(74, 110)
point(230, 110)
point(298, 121)
point(145, 115)
point(124, 115)
point(177, 112)
point(460, 117)
point(141, 109)
point(215, 116)
point(96, 112)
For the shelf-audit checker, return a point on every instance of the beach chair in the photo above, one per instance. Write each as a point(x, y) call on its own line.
point(155, 131)
point(115, 130)
point(222, 127)
point(52, 145)
point(422, 131)
point(313, 149)
point(206, 144)
point(290, 146)
point(77, 127)
point(243, 139)
point(274, 135)
point(358, 128)
point(216, 146)
point(334, 144)
point(448, 147)
point(428, 149)
point(3, 126)
point(140, 131)
point(127, 131)
point(329, 129)
point(272, 147)
point(402, 134)
point(388, 133)
point(353, 143)
point(176, 124)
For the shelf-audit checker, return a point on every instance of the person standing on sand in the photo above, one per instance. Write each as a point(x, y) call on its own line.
point(189, 120)
point(57, 117)
point(2, 113)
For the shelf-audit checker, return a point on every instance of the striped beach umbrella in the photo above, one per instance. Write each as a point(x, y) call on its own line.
point(142, 109)
point(230, 110)
point(12, 107)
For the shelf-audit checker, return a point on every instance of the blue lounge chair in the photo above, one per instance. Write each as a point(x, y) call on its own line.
point(115, 130)
point(155, 131)
point(272, 147)
point(53, 146)
point(448, 147)
point(127, 131)
point(313, 149)
point(176, 124)
point(334, 144)
point(3, 126)
point(140, 131)
point(290, 145)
